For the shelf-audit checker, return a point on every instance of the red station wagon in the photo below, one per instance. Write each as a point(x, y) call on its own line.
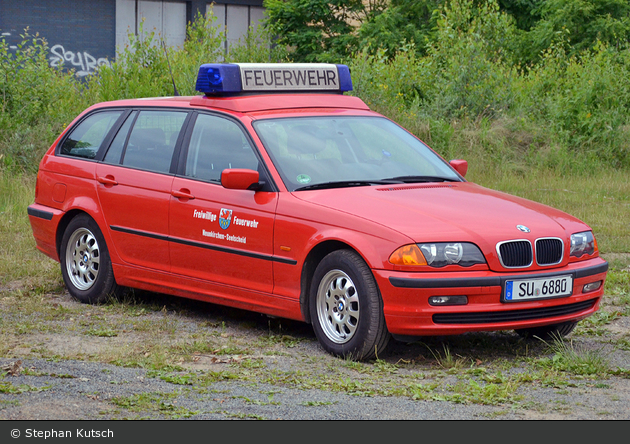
point(275, 192)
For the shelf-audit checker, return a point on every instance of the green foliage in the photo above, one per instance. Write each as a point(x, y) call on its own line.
point(37, 102)
point(317, 30)
point(526, 13)
point(140, 70)
point(204, 44)
point(578, 25)
point(404, 22)
point(257, 46)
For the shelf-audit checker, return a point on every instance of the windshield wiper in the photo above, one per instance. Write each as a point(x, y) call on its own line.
point(348, 183)
point(418, 179)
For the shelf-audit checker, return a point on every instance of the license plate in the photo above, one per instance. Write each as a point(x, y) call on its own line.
point(539, 288)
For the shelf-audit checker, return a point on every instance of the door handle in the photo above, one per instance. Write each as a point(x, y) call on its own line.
point(107, 180)
point(182, 194)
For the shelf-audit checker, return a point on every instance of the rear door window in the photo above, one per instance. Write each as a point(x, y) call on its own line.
point(86, 138)
point(114, 153)
point(152, 140)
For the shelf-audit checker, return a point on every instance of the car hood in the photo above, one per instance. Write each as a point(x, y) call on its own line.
point(448, 212)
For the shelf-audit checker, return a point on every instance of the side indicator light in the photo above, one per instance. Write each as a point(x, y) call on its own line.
point(283, 248)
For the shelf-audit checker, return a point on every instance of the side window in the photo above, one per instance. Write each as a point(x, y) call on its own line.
point(216, 144)
point(114, 153)
point(152, 140)
point(86, 138)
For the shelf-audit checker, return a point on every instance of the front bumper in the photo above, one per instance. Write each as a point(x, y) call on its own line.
point(408, 313)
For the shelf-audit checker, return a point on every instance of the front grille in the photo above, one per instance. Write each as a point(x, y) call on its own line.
point(515, 254)
point(490, 317)
point(549, 251)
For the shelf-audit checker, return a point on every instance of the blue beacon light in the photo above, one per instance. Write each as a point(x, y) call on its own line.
point(219, 78)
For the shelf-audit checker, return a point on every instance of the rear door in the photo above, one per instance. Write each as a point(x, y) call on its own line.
point(134, 185)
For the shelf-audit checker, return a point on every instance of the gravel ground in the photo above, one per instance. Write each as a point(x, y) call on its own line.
point(56, 385)
point(89, 393)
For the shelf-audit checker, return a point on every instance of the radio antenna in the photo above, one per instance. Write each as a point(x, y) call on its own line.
point(169, 67)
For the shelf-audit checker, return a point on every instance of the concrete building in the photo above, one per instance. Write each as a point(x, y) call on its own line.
point(84, 34)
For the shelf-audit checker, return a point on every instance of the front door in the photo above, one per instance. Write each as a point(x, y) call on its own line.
point(221, 235)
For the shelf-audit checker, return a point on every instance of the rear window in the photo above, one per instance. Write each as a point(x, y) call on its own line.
point(86, 138)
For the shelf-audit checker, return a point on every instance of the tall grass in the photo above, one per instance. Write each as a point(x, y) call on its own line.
point(19, 259)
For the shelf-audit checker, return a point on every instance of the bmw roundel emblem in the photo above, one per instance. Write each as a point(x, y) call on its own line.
point(523, 228)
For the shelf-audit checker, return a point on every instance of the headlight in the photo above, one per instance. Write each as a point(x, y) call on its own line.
point(438, 254)
point(583, 243)
point(458, 253)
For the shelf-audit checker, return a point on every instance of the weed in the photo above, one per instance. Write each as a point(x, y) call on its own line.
point(102, 332)
point(161, 403)
point(471, 391)
point(269, 400)
point(421, 392)
point(448, 360)
point(174, 378)
point(317, 403)
point(572, 359)
point(8, 388)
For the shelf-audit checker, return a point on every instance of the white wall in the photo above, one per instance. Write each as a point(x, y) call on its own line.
point(166, 19)
point(236, 19)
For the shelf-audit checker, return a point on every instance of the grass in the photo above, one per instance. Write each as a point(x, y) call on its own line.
point(160, 403)
point(602, 199)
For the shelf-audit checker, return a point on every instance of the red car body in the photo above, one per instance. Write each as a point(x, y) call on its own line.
point(164, 231)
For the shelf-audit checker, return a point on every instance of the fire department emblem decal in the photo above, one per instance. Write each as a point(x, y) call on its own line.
point(225, 217)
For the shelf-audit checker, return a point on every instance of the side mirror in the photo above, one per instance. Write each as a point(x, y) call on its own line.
point(461, 166)
point(240, 179)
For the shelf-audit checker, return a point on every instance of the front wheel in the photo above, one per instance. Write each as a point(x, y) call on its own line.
point(548, 332)
point(85, 263)
point(346, 307)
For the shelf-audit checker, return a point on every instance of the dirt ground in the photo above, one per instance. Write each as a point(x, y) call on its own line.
point(158, 357)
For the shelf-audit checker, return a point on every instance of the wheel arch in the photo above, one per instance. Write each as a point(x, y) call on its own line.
point(65, 221)
point(313, 258)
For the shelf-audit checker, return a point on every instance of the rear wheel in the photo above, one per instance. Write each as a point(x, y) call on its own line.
point(548, 332)
point(85, 263)
point(346, 307)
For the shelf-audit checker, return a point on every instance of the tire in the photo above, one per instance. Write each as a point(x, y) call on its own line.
point(85, 263)
point(346, 308)
point(548, 332)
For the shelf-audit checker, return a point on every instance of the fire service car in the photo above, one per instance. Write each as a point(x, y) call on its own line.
point(275, 192)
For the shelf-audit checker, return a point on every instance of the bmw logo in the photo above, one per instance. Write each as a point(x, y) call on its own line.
point(523, 228)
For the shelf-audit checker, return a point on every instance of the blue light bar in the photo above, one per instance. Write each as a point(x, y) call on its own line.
point(234, 78)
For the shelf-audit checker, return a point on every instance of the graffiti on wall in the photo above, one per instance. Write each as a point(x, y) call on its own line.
point(83, 62)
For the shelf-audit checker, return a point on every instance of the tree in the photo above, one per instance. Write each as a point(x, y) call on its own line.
point(319, 30)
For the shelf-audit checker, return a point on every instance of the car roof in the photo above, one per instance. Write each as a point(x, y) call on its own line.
point(246, 103)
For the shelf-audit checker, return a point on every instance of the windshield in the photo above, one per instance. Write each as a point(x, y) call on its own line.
point(327, 152)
